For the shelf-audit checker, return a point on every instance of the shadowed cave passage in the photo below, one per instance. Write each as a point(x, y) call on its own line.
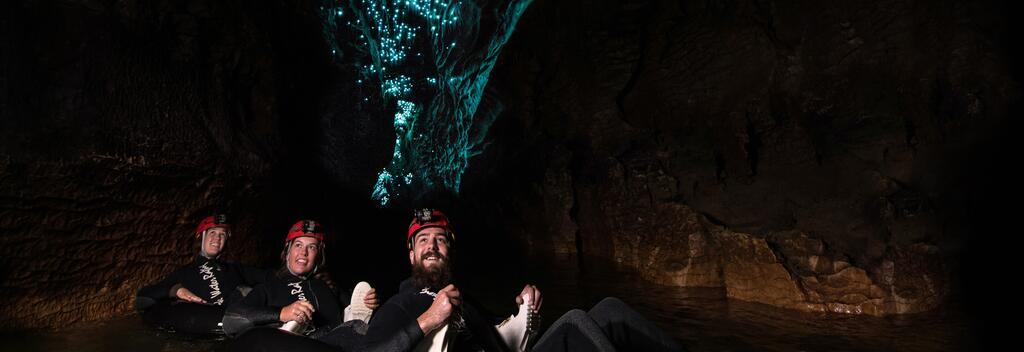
point(750, 175)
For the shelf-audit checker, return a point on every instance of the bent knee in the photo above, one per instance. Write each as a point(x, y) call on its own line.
point(610, 303)
point(574, 316)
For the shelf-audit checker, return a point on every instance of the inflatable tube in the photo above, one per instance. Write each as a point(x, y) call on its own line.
point(272, 339)
point(185, 318)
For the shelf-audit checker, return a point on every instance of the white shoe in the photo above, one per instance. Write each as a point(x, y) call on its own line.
point(517, 329)
point(357, 308)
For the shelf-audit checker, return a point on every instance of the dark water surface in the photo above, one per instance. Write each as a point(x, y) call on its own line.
point(701, 319)
point(118, 335)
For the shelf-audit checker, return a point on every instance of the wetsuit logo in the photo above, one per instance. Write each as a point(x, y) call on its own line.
point(207, 272)
point(297, 290)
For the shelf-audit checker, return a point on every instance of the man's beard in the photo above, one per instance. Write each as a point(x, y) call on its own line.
point(435, 277)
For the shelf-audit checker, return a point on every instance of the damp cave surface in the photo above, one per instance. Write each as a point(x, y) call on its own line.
point(737, 171)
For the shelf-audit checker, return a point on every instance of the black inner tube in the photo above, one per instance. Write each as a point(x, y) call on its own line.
point(182, 317)
point(273, 339)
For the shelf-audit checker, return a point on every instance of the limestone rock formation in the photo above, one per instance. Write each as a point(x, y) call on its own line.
point(815, 156)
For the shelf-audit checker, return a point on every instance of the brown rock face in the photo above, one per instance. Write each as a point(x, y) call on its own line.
point(111, 151)
point(674, 245)
point(79, 248)
point(810, 155)
point(807, 155)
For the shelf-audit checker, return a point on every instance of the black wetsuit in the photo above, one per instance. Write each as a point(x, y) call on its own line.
point(213, 280)
point(611, 325)
point(262, 307)
point(396, 319)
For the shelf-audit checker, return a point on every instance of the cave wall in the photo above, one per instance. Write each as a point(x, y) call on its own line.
point(810, 155)
point(121, 126)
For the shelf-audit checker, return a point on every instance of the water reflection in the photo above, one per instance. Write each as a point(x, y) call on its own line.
point(121, 335)
point(699, 318)
point(702, 320)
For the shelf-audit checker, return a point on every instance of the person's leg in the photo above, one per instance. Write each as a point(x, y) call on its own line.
point(628, 330)
point(267, 339)
point(574, 331)
point(350, 336)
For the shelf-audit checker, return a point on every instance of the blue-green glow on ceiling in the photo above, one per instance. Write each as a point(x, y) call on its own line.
point(431, 60)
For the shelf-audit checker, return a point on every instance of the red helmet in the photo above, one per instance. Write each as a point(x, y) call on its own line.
point(305, 228)
point(216, 220)
point(427, 218)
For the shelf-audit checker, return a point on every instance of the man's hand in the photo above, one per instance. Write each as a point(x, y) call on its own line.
point(535, 297)
point(371, 299)
point(185, 295)
point(300, 311)
point(440, 310)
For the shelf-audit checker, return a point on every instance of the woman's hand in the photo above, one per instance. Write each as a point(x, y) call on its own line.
point(300, 311)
